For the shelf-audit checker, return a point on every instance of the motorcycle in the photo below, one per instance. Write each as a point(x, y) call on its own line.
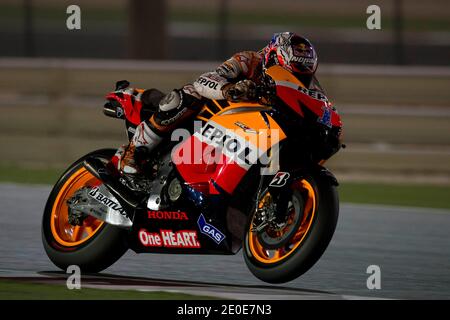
point(203, 195)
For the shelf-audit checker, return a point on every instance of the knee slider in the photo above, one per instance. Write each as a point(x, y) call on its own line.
point(171, 101)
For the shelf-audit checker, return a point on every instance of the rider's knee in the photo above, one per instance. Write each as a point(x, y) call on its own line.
point(176, 106)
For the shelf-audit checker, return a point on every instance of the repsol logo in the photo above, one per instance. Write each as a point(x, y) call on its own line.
point(103, 199)
point(208, 83)
point(313, 94)
point(228, 142)
point(167, 215)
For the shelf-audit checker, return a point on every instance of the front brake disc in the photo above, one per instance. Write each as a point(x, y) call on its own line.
point(273, 237)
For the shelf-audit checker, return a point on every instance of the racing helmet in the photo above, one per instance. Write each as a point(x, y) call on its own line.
point(292, 52)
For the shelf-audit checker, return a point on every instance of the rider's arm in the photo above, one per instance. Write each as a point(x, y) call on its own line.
point(214, 85)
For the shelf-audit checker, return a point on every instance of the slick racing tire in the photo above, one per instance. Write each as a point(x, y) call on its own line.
point(93, 246)
point(313, 211)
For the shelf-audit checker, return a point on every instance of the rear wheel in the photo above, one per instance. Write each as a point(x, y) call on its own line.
point(94, 245)
point(283, 252)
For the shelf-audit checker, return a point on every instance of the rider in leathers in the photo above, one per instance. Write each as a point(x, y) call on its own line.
point(234, 80)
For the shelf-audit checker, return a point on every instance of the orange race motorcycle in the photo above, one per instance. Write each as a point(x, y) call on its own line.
point(282, 211)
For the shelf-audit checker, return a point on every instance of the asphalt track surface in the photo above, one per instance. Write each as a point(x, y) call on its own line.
point(410, 245)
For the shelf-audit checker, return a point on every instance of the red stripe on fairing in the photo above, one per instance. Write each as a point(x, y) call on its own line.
point(200, 174)
point(292, 97)
point(289, 96)
point(227, 177)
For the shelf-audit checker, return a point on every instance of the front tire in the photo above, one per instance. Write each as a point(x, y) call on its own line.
point(95, 245)
point(320, 206)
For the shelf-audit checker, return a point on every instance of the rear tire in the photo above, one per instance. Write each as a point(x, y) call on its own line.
point(313, 245)
point(97, 251)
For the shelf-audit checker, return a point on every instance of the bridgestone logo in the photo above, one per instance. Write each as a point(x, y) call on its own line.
point(103, 199)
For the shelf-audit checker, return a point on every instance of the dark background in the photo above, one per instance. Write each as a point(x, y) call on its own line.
point(413, 32)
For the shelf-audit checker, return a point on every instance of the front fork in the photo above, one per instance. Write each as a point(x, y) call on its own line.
point(276, 211)
point(280, 190)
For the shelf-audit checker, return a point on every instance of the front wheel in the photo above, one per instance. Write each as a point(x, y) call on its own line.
point(94, 245)
point(283, 252)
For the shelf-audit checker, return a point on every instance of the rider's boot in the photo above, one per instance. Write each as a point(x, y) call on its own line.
point(144, 138)
point(126, 162)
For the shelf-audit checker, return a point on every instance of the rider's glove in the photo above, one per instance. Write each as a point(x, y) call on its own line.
point(244, 90)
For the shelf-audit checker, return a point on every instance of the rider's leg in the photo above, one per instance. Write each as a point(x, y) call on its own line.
point(174, 108)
